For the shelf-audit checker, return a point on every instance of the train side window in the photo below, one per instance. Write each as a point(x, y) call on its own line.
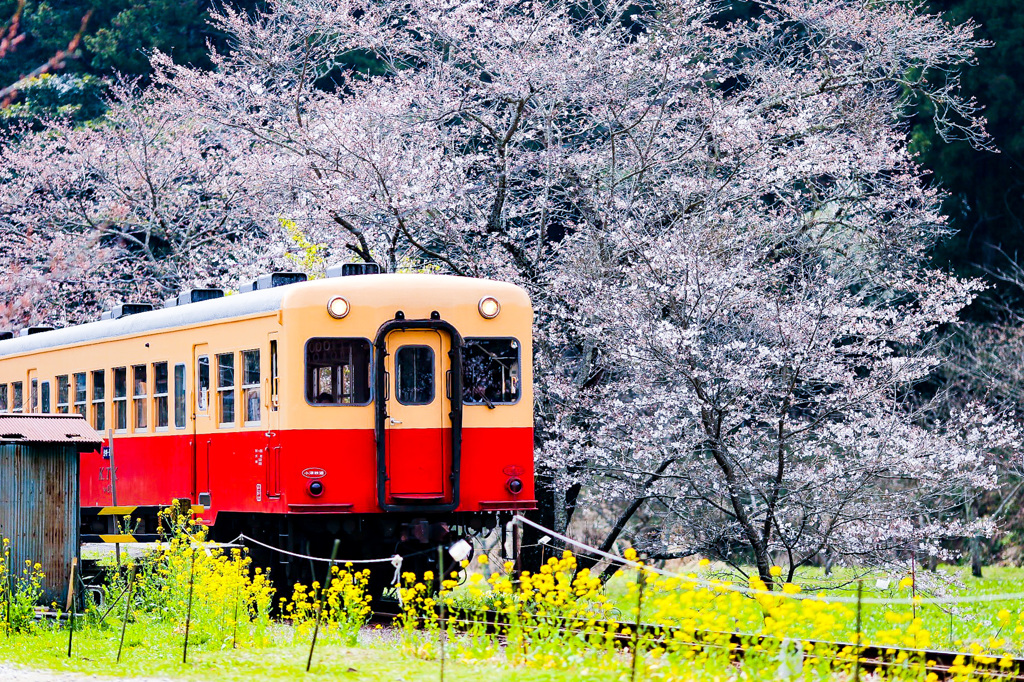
point(33, 396)
point(337, 371)
point(3, 398)
point(203, 382)
point(251, 385)
point(63, 394)
point(16, 400)
point(179, 396)
point(274, 400)
point(226, 387)
point(81, 394)
point(414, 375)
point(491, 373)
point(99, 405)
point(121, 398)
point(140, 391)
point(160, 392)
point(45, 393)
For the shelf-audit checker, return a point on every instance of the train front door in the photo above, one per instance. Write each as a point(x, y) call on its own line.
point(417, 425)
point(202, 424)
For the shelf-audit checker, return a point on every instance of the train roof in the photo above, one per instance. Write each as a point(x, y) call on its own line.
point(229, 307)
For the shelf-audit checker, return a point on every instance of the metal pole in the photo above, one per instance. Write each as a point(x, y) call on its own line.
point(320, 606)
point(640, 580)
point(127, 609)
point(71, 604)
point(440, 597)
point(188, 613)
point(856, 664)
point(113, 497)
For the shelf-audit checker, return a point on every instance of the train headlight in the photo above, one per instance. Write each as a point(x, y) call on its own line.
point(316, 488)
point(489, 307)
point(338, 307)
point(514, 485)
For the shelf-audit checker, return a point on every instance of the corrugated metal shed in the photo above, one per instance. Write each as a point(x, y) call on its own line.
point(39, 493)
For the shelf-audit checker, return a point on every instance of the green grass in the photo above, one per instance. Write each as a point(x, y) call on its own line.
point(155, 649)
point(157, 652)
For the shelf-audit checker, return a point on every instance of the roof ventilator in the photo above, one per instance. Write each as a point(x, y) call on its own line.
point(126, 309)
point(29, 331)
point(348, 269)
point(274, 279)
point(6, 334)
point(194, 296)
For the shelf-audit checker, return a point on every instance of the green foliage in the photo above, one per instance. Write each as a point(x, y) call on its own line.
point(138, 27)
point(987, 189)
point(21, 590)
point(70, 96)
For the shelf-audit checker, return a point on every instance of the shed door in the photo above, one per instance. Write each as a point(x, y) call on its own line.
point(417, 424)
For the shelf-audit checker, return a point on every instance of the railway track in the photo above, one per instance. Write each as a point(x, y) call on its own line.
point(872, 658)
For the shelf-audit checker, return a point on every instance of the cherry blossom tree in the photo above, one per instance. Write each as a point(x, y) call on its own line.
point(720, 225)
point(135, 209)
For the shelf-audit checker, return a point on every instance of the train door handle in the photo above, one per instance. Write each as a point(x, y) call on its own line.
point(395, 421)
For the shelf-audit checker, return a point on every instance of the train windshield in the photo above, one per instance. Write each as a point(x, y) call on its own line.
point(490, 371)
point(337, 371)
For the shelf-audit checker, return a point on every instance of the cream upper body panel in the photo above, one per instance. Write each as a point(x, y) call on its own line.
point(291, 315)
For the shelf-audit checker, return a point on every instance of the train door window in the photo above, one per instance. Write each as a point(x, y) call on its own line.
point(160, 393)
point(251, 385)
point(337, 371)
point(414, 375)
point(99, 405)
point(179, 396)
point(16, 399)
point(273, 376)
point(63, 394)
point(226, 387)
point(3, 397)
point(203, 382)
point(120, 398)
point(490, 372)
point(44, 392)
point(81, 394)
point(33, 396)
point(140, 390)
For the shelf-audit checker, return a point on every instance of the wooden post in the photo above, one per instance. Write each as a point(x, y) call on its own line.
point(856, 651)
point(320, 606)
point(188, 612)
point(444, 623)
point(234, 631)
point(127, 610)
point(9, 589)
point(640, 580)
point(71, 604)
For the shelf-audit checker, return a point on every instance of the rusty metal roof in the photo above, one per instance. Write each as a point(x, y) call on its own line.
point(47, 428)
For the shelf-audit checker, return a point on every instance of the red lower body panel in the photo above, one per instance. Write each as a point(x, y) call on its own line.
point(251, 472)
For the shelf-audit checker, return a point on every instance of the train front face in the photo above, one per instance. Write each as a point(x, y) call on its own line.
point(412, 408)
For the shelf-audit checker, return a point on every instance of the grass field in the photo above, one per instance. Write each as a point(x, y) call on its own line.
point(533, 651)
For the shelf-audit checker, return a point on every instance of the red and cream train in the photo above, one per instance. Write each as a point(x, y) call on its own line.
point(391, 411)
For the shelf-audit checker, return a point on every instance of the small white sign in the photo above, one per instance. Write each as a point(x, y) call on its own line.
point(259, 492)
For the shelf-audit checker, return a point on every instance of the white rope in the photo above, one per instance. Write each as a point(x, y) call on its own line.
point(396, 561)
point(714, 585)
point(385, 560)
